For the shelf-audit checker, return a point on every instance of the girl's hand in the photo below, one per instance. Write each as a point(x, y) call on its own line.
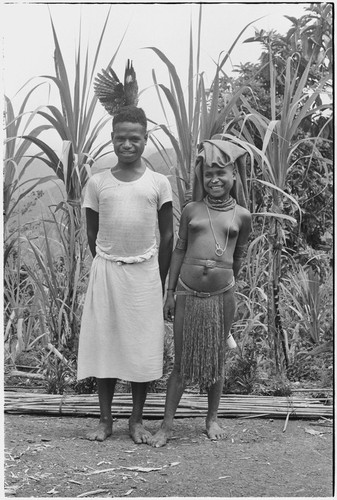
point(169, 307)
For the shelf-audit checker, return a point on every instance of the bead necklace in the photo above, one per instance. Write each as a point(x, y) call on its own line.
point(219, 204)
point(218, 250)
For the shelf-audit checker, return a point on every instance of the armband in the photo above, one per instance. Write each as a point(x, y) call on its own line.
point(181, 244)
point(240, 252)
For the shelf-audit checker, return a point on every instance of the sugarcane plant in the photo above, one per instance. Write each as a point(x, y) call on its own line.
point(279, 137)
point(309, 299)
point(22, 319)
point(197, 117)
point(17, 160)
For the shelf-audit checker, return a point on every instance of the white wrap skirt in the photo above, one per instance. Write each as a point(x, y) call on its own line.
point(122, 328)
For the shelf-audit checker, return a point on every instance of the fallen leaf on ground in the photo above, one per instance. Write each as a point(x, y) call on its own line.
point(11, 490)
point(100, 471)
point(312, 431)
point(90, 493)
point(52, 492)
point(142, 469)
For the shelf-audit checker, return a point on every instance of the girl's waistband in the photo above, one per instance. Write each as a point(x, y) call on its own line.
point(207, 263)
point(189, 291)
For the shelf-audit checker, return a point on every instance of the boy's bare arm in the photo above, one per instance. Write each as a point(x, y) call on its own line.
point(176, 262)
point(179, 251)
point(165, 223)
point(92, 228)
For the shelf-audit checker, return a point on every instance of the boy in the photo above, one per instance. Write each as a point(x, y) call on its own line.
point(213, 235)
point(122, 326)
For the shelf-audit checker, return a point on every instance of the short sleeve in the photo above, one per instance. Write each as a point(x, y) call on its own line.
point(165, 191)
point(90, 199)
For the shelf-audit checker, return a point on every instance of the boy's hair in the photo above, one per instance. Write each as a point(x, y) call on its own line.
point(130, 114)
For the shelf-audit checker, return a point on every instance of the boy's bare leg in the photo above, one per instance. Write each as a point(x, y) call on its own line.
point(106, 389)
point(175, 386)
point(137, 431)
point(213, 429)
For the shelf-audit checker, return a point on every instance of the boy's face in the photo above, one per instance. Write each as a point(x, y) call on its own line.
point(218, 181)
point(129, 141)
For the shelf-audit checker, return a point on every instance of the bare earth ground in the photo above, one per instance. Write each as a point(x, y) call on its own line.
point(49, 457)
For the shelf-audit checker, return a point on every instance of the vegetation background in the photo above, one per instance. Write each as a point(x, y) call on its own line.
point(279, 109)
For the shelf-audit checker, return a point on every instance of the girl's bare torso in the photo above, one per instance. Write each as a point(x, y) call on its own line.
point(201, 245)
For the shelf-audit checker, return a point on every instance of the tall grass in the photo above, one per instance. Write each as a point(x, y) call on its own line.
point(17, 160)
point(59, 279)
point(24, 326)
point(279, 137)
point(309, 301)
point(197, 116)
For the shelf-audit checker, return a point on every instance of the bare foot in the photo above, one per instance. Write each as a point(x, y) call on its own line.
point(160, 438)
point(138, 433)
point(102, 431)
point(214, 431)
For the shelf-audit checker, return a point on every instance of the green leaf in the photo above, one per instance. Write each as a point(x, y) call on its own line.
point(277, 216)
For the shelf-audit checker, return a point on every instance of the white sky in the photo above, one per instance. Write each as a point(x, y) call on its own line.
point(28, 42)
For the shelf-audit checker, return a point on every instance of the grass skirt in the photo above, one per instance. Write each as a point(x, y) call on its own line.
point(204, 340)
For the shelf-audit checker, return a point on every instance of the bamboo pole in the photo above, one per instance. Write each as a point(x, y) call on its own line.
point(190, 406)
point(19, 373)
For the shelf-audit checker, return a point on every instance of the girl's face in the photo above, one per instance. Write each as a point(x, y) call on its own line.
point(218, 181)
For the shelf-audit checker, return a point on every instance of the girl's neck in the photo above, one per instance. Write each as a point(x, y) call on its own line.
point(221, 204)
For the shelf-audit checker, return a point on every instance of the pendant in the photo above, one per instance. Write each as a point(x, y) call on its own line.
point(218, 250)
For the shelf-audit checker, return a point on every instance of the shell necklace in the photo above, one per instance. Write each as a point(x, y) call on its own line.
point(218, 250)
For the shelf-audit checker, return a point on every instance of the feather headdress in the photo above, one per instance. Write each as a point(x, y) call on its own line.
point(112, 94)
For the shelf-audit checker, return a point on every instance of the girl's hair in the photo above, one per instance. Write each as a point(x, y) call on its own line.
point(130, 114)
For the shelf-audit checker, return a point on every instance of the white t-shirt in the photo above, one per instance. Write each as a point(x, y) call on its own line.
point(127, 211)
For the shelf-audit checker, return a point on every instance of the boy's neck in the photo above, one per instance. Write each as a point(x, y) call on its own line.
point(129, 171)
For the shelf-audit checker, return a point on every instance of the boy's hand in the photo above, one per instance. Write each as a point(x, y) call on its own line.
point(169, 307)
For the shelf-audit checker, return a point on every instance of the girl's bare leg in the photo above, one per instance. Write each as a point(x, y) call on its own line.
point(175, 386)
point(213, 429)
point(175, 390)
point(106, 389)
point(137, 431)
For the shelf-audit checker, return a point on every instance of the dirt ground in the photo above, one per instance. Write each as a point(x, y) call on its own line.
point(48, 457)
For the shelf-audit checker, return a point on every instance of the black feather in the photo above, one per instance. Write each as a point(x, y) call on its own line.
point(112, 94)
